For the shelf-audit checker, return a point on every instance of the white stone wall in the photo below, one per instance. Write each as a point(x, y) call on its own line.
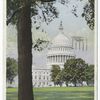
point(41, 78)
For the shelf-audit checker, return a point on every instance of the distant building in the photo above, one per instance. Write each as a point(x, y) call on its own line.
point(59, 51)
point(41, 77)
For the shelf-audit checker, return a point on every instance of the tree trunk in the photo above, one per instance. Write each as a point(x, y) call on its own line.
point(25, 90)
point(66, 84)
point(87, 83)
point(75, 84)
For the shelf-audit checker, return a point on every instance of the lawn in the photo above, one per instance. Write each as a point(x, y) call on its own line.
point(57, 93)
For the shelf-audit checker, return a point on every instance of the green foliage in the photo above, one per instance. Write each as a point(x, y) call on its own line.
point(89, 74)
point(88, 13)
point(12, 69)
point(58, 79)
point(75, 71)
point(40, 44)
point(12, 6)
point(54, 72)
point(49, 12)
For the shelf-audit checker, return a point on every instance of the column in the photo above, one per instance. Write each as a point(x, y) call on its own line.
point(68, 57)
point(47, 59)
point(61, 58)
point(64, 58)
point(72, 42)
point(75, 44)
point(79, 44)
point(83, 45)
point(57, 58)
point(53, 58)
point(86, 44)
point(50, 58)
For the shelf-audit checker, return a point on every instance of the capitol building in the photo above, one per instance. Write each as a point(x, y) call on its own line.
point(60, 49)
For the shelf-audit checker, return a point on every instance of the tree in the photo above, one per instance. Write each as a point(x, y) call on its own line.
point(74, 71)
point(89, 13)
point(66, 76)
point(25, 90)
point(54, 72)
point(58, 79)
point(20, 13)
point(12, 69)
point(89, 74)
point(81, 65)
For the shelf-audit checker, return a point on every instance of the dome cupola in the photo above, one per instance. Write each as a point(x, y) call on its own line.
point(61, 39)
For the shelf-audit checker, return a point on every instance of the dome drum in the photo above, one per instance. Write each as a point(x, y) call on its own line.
point(60, 51)
point(58, 59)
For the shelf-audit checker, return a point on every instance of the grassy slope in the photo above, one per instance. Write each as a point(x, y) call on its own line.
point(57, 93)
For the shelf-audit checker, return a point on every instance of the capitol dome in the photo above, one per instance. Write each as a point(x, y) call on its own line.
point(60, 50)
point(61, 40)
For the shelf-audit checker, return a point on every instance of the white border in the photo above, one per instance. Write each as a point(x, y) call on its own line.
point(3, 51)
point(98, 50)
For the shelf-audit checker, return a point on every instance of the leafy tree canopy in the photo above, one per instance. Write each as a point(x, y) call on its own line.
point(74, 71)
point(45, 11)
point(89, 74)
point(54, 72)
point(12, 69)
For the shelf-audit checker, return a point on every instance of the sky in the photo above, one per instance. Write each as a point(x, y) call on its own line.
point(73, 26)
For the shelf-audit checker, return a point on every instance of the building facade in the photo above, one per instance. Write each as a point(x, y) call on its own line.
point(41, 77)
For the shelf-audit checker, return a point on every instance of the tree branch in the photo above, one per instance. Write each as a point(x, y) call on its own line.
point(43, 13)
point(10, 18)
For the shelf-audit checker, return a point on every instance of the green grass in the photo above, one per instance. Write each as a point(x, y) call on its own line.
point(57, 93)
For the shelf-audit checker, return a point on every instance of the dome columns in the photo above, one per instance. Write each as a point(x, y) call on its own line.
point(54, 59)
point(79, 43)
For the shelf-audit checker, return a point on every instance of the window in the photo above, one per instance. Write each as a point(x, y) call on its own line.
point(47, 78)
point(44, 77)
point(39, 77)
point(35, 77)
point(43, 83)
